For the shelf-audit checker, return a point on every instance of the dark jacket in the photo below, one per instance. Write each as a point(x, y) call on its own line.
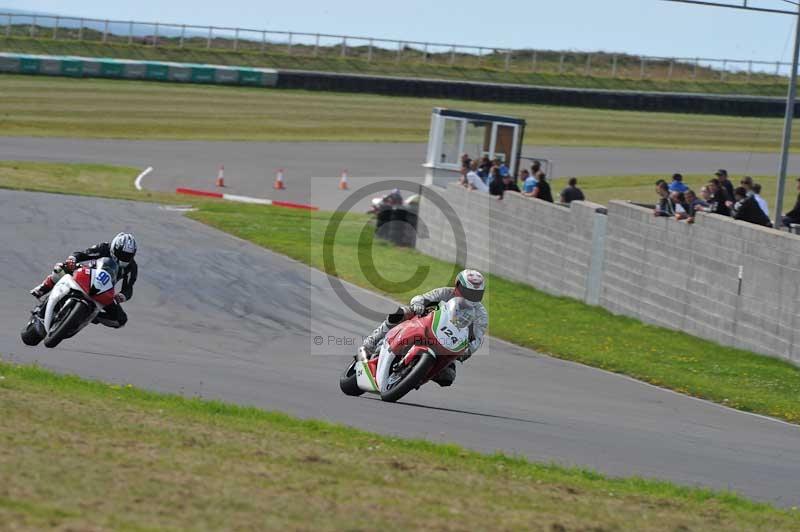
point(544, 191)
point(665, 207)
point(795, 213)
point(748, 210)
point(512, 187)
point(718, 203)
point(127, 274)
point(496, 187)
point(570, 194)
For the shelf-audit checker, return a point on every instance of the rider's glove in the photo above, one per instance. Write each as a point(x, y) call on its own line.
point(418, 308)
point(70, 264)
point(120, 298)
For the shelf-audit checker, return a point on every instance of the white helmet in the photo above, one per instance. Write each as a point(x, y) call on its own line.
point(123, 248)
point(470, 285)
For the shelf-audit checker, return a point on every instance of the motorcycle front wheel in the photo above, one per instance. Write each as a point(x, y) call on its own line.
point(348, 382)
point(412, 378)
point(73, 317)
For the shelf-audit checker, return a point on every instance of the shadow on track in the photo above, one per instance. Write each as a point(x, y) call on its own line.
point(457, 411)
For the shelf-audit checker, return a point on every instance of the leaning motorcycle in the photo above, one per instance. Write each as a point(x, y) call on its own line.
point(73, 303)
point(412, 353)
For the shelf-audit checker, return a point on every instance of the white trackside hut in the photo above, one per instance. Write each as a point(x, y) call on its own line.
point(454, 133)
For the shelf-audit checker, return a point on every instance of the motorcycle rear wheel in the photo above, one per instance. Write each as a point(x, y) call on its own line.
point(348, 382)
point(411, 380)
point(63, 329)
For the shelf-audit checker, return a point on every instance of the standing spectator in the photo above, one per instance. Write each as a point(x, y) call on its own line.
point(761, 201)
point(536, 167)
point(495, 183)
point(719, 202)
point(793, 216)
point(474, 181)
point(529, 185)
point(503, 168)
point(677, 184)
point(747, 183)
point(510, 184)
point(542, 190)
point(746, 209)
point(572, 192)
point(665, 206)
point(722, 175)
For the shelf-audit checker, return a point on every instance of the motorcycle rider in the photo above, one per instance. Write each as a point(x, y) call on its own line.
point(470, 285)
point(122, 250)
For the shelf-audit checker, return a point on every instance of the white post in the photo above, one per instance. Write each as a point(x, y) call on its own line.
point(264, 41)
point(344, 46)
point(369, 52)
point(105, 31)
point(236, 39)
point(561, 64)
point(155, 36)
point(80, 31)
point(453, 55)
point(671, 67)
point(33, 27)
point(183, 35)
point(289, 47)
point(587, 71)
point(641, 68)
point(508, 59)
point(55, 29)
point(208, 40)
point(130, 32)
point(316, 46)
point(614, 66)
point(787, 125)
point(533, 61)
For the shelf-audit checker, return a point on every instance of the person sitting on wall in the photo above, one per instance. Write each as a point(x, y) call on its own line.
point(572, 192)
point(746, 209)
point(665, 205)
point(677, 184)
point(542, 190)
point(793, 216)
point(484, 167)
point(466, 162)
point(473, 181)
point(680, 204)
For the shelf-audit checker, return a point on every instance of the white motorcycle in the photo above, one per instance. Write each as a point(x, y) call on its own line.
point(76, 299)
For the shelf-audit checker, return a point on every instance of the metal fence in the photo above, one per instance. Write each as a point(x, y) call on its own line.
point(378, 50)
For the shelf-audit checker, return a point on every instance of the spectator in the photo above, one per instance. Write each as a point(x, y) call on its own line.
point(474, 181)
point(705, 194)
point(665, 206)
point(496, 183)
point(542, 190)
point(529, 185)
point(466, 162)
point(747, 183)
point(722, 176)
point(484, 167)
point(572, 192)
point(746, 209)
point(793, 216)
point(719, 202)
point(695, 204)
point(761, 201)
point(510, 184)
point(677, 184)
point(680, 204)
point(503, 168)
point(536, 167)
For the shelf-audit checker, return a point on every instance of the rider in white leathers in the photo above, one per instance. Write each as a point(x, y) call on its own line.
point(469, 285)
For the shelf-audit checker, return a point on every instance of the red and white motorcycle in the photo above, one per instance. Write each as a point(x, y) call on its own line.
point(413, 352)
point(73, 303)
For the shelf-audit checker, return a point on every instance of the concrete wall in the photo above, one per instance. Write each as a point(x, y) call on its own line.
point(538, 243)
point(658, 270)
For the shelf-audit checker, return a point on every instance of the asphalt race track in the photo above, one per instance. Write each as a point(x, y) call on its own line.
point(250, 166)
point(221, 318)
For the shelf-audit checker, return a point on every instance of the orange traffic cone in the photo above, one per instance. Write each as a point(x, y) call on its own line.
point(279, 180)
point(221, 176)
point(343, 180)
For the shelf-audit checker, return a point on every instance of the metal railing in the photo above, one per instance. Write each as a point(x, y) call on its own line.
point(380, 50)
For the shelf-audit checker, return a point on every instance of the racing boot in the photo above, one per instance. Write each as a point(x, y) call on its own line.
point(367, 349)
point(43, 288)
point(446, 376)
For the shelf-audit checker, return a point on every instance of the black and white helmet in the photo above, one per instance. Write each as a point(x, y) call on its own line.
point(123, 248)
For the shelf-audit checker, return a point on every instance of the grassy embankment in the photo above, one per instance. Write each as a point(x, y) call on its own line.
point(561, 327)
point(84, 108)
point(80, 455)
point(411, 63)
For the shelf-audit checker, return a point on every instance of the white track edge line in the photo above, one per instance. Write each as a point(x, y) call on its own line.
point(138, 182)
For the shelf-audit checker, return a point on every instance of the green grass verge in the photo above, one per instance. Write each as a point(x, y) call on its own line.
point(92, 108)
point(412, 66)
point(80, 455)
point(562, 327)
